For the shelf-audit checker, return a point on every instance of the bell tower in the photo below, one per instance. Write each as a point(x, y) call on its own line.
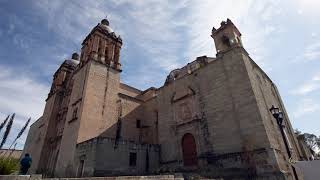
point(92, 108)
point(226, 36)
point(102, 45)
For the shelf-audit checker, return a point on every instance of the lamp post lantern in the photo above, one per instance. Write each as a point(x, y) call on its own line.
point(274, 111)
point(278, 115)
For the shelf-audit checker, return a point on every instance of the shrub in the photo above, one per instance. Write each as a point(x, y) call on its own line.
point(8, 165)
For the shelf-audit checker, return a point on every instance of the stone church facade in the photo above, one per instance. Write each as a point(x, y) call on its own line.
point(211, 117)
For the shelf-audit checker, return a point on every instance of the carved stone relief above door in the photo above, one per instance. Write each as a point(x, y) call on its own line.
point(185, 105)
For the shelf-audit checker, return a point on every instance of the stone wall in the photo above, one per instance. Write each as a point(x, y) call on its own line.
point(71, 127)
point(267, 95)
point(221, 100)
point(99, 110)
point(44, 136)
point(225, 118)
point(37, 135)
point(107, 156)
point(14, 153)
point(131, 113)
point(150, 121)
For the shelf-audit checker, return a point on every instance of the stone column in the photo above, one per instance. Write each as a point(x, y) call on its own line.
point(110, 55)
point(106, 54)
point(90, 48)
point(85, 53)
point(82, 55)
point(102, 50)
point(112, 52)
point(95, 46)
point(117, 57)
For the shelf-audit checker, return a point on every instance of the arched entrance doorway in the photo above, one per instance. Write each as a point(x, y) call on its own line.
point(189, 149)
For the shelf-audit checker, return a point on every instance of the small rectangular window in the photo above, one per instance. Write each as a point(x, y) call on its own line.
point(75, 113)
point(133, 159)
point(138, 123)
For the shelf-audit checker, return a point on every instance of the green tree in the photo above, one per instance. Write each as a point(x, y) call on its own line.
point(312, 141)
point(8, 165)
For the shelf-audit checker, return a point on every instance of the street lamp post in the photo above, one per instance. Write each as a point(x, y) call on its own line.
point(278, 115)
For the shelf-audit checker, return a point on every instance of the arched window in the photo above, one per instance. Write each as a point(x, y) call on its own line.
point(226, 40)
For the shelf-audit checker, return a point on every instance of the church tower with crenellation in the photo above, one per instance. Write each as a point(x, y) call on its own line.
point(227, 37)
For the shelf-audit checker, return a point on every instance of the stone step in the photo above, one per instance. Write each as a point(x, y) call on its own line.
point(38, 177)
point(156, 177)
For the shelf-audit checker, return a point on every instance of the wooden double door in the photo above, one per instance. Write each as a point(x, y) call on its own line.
point(189, 149)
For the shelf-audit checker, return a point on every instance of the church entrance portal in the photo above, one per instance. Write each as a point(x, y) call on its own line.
point(189, 150)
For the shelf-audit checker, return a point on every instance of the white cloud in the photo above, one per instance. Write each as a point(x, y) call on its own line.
point(312, 51)
point(71, 19)
point(308, 87)
point(156, 32)
point(23, 95)
point(253, 19)
point(150, 23)
point(307, 7)
point(11, 28)
point(159, 27)
point(20, 93)
point(316, 77)
point(307, 105)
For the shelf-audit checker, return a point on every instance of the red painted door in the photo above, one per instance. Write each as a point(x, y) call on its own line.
point(189, 149)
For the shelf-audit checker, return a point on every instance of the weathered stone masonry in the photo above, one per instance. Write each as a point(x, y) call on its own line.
point(210, 117)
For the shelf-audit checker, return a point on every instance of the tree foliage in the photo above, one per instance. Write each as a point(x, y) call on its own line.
point(8, 165)
point(312, 141)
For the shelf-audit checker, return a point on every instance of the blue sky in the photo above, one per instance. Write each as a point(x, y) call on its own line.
point(282, 36)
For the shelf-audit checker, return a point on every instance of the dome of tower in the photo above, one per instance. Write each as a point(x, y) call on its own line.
point(75, 56)
point(105, 22)
point(74, 61)
point(105, 25)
